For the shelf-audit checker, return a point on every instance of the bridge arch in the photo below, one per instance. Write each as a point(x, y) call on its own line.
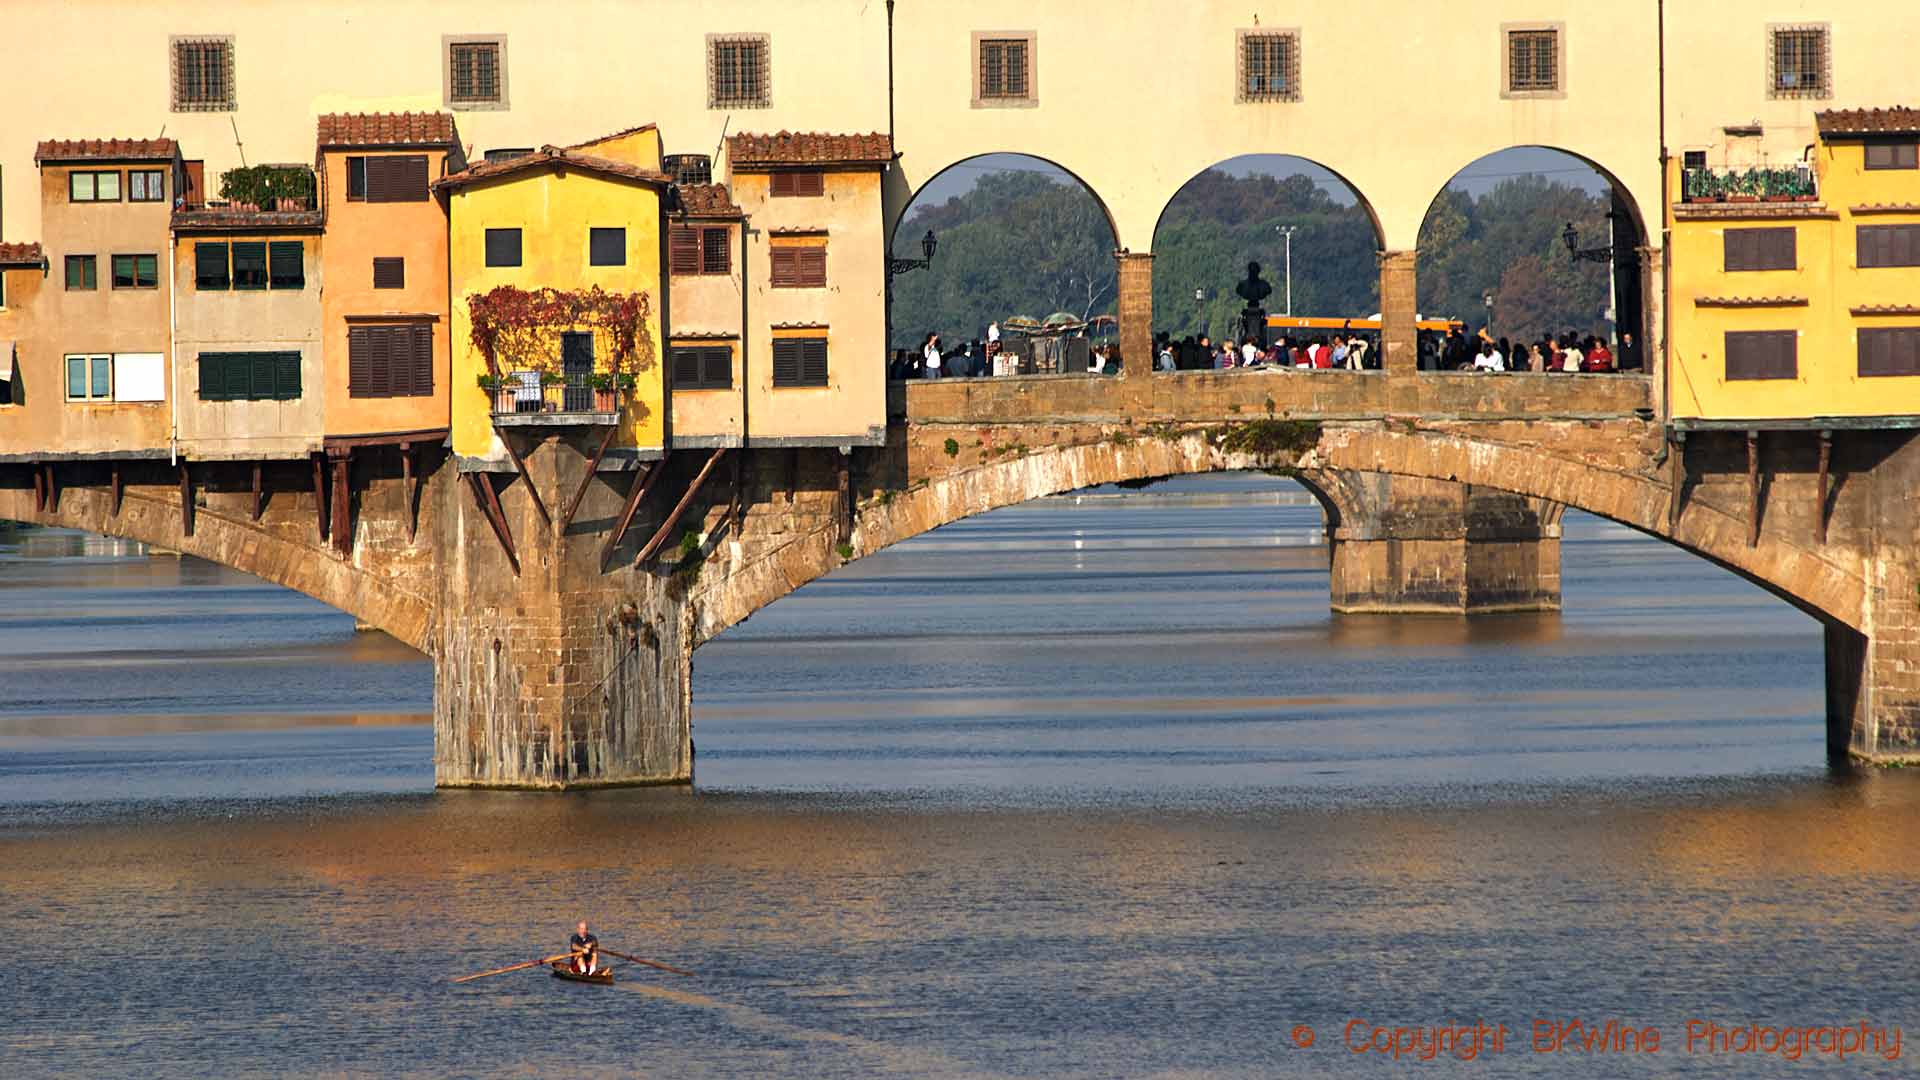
point(1829, 587)
point(277, 549)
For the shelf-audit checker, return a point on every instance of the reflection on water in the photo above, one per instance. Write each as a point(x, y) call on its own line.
point(1091, 787)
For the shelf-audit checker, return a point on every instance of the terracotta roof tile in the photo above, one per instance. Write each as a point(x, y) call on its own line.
point(104, 150)
point(707, 200)
point(1895, 121)
point(546, 157)
point(807, 148)
point(1750, 301)
point(22, 254)
point(387, 129)
point(1885, 309)
point(1885, 208)
point(226, 217)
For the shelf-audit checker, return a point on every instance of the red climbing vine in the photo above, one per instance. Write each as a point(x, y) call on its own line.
point(519, 329)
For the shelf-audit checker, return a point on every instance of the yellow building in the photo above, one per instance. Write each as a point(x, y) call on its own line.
point(1796, 288)
point(557, 254)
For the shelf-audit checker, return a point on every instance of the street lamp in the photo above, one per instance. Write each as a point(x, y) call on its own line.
point(928, 244)
point(1571, 237)
point(1287, 231)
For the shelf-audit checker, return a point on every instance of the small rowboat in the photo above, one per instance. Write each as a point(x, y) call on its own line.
point(563, 970)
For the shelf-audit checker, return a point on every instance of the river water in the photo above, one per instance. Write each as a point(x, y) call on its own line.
point(1091, 787)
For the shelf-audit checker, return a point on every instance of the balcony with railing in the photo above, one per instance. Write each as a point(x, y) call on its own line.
point(536, 398)
point(253, 198)
point(1757, 184)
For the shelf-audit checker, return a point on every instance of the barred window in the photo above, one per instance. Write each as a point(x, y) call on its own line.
point(1533, 60)
point(476, 72)
point(1798, 64)
point(739, 71)
point(1269, 66)
point(203, 74)
point(695, 249)
point(1005, 71)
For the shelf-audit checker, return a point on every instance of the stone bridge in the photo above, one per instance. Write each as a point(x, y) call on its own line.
point(562, 627)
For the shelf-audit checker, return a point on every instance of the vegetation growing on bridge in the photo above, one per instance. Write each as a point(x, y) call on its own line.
point(1266, 437)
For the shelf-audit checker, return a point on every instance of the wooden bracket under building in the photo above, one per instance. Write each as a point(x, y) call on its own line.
point(1820, 511)
point(489, 501)
point(844, 497)
point(118, 490)
point(1753, 489)
point(53, 490)
point(1676, 478)
point(410, 484)
point(39, 490)
point(521, 465)
point(593, 466)
point(259, 503)
point(186, 499)
point(634, 496)
point(680, 508)
point(342, 515)
point(320, 493)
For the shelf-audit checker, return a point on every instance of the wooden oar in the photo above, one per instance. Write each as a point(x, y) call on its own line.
point(518, 967)
point(642, 960)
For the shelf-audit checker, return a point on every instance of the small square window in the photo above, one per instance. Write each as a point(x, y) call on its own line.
point(1693, 159)
point(146, 185)
point(715, 251)
point(1533, 60)
point(607, 247)
point(476, 71)
point(389, 272)
point(203, 74)
point(739, 71)
point(82, 272)
point(1269, 65)
point(1798, 62)
point(250, 265)
point(357, 179)
point(93, 186)
point(1892, 156)
point(1003, 69)
point(503, 247)
point(136, 271)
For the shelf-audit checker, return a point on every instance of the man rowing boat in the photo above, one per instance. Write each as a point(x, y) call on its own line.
point(586, 950)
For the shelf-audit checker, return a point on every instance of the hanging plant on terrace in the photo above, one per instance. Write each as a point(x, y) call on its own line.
point(519, 330)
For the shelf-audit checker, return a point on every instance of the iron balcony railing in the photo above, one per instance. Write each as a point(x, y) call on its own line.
point(1792, 183)
point(532, 394)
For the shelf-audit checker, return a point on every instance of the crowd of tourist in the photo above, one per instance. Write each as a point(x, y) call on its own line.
point(1566, 352)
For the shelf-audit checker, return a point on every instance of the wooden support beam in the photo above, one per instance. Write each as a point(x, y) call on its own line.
point(737, 510)
point(186, 499)
point(1676, 479)
point(593, 466)
point(259, 505)
point(1820, 511)
point(634, 497)
point(320, 493)
point(489, 500)
point(1753, 489)
point(538, 503)
point(53, 490)
point(844, 498)
point(118, 490)
point(410, 483)
point(39, 490)
point(679, 508)
point(342, 517)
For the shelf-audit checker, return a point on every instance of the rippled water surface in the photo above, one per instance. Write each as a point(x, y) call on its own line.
point(1090, 787)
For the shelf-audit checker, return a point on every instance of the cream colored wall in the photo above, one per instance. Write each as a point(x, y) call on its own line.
point(852, 406)
point(105, 320)
point(554, 212)
point(19, 305)
point(245, 320)
point(706, 305)
point(357, 231)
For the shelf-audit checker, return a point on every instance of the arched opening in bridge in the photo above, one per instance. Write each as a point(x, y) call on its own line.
point(1533, 245)
point(1313, 234)
point(1015, 237)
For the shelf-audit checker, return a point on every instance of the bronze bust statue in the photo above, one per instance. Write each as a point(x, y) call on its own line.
point(1253, 317)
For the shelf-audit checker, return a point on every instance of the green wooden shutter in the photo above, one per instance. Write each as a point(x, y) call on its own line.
point(286, 382)
point(265, 372)
point(213, 375)
point(239, 377)
point(285, 260)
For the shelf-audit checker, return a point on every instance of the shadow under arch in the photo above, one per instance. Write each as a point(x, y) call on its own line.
point(1359, 197)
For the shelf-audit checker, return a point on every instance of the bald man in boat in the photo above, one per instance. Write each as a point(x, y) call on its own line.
point(586, 947)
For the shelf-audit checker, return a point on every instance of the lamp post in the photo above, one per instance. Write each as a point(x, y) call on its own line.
point(928, 244)
point(1571, 237)
point(1287, 232)
point(1487, 299)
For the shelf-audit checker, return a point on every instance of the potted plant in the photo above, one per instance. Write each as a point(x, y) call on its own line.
point(489, 383)
point(1744, 187)
point(604, 383)
point(626, 382)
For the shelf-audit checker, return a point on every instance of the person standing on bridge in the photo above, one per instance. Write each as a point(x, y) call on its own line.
point(930, 357)
point(586, 950)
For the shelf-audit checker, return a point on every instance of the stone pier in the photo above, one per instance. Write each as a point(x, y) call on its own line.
point(1404, 545)
point(558, 674)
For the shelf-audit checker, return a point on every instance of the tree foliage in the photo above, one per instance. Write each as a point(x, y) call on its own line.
point(1507, 242)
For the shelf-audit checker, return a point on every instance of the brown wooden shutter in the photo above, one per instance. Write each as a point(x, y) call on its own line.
point(716, 368)
point(1890, 351)
point(785, 267)
point(808, 185)
point(683, 249)
point(359, 357)
point(397, 178)
point(811, 268)
point(1761, 249)
point(786, 362)
point(1762, 354)
point(422, 358)
point(813, 361)
point(780, 185)
point(389, 272)
point(1887, 245)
